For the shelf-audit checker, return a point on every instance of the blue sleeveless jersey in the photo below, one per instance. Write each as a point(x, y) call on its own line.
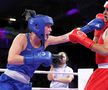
point(27, 69)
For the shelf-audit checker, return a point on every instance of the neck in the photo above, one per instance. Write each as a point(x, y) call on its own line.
point(35, 41)
point(61, 65)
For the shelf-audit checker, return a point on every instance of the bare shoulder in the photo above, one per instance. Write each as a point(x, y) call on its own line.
point(20, 40)
point(21, 36)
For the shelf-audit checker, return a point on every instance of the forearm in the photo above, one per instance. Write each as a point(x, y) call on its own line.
point(64, 79)
point(50, 76)
point(64, 38)
point(52, 40)
point(100, 49)
point(97, 34)
point(95, 39)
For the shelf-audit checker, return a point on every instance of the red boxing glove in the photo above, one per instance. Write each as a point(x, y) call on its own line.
point(80, 37)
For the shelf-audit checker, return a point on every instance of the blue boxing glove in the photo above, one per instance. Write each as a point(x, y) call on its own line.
point(48, 59)
point(97, 23)
point(44, 57)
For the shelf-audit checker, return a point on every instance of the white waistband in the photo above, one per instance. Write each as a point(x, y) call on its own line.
point(17, 76)
point(103, 65)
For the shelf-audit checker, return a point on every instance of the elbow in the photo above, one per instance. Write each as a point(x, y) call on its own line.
point(70, 79)
point(10, 60)
point(49, 78)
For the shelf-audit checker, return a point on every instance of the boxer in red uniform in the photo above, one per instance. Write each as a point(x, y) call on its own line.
point(99, 79)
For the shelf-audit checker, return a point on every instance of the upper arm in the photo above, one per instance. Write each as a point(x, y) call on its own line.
point(106, 40)
point(17, 46)
point(70, 76)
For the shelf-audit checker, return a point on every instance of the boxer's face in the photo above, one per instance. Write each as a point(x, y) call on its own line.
point(106, 14)
point(48, 30)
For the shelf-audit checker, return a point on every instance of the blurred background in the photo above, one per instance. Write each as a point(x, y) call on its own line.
point(67, 15)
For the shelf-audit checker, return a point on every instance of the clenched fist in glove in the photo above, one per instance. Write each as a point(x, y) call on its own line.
point(80, 37)
point(97, 23)
point(44, 57)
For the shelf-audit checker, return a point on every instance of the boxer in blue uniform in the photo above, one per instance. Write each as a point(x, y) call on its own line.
point(27, 53)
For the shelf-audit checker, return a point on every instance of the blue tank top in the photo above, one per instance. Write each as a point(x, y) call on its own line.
point(27, 68)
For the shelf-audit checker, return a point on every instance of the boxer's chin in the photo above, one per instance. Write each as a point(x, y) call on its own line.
point(46, 36)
